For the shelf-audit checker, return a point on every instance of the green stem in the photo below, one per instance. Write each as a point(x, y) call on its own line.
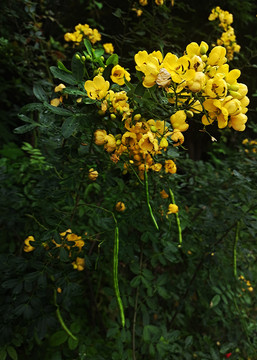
point(115, 263)
point(148, 201)
point(59, 316)
point(177, 219)
point(115, 274)
point(234, 250)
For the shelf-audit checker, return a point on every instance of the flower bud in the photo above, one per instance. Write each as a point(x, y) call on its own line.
point(83, 58)
point(77, 56)
point(118, 142)
point(203, 49)
point(189, 114)
point(113, 116)
point(164, 142)
point(137, 117)
point(153, 129)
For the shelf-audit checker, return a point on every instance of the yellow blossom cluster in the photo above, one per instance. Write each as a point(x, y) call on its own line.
point(251, 145)
point(68, 241)
point(247, 282)
point(197, 83)
point(81, 32)
point(139, 12)
point(228, 38)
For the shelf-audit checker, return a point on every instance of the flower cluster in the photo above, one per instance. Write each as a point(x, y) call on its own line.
point(81, 32)
point(247, 283)
point(139, 12)
point(228, 38)
point(195, 83)
point(69, 241)
point(251, 145)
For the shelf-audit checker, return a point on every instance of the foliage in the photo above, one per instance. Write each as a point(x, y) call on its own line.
point(119, 248)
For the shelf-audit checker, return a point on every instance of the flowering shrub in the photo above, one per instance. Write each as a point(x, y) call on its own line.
point(165, 239)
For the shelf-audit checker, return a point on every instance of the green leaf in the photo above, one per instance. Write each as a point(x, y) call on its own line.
point(25, 128)
point(140, 89)
point(188, 341)
point(39, 92)
point(214, 301)
point(135, 281)
point(75, 328)
point(88, 46)
point(77, 68)
point(61, 75)
point(12, 352)
point(99, 52)
point(74, 91)
point(32, 107)
point(113, 59)
point(61, 66)
point(58, 338)
point(3, 354)
point(57, 110)
point(72, 343)
point(69, 126)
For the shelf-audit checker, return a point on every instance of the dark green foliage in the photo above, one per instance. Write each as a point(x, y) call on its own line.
point(181, 301)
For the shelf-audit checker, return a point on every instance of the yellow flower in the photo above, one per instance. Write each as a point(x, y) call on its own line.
point(97, 88)
point(173, 209)
point(27, 246)
point(118, 74)
point(100, 137)
point(237, 122)
point(216, 87)
point(120, 206)
point(108, 48)
point(129, 138)
point(170, 167)
point(79, 264)
point(60, 87)
point(150, 65)
point(56, 101)
point(156, 167)
point(178, 121)
point(143, 2)
point(177, 137)
point(110, 144)
point(164, 195)
point(94, 36)
point(148, 143)
point(217, 56)
point(92, 174)
point(139, 12)
point(159, 2)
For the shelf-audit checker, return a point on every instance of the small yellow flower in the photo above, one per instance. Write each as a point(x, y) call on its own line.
point(170, 167)
point(97, 88)
point(108, 48)
point(178, 121)
point(177, 137)
point(79, 264)
point(59, 290)
point(173, 209)
point(100, 137)
point(60, 87)
point(92, 174)
point(27, 246)
point(120, 206)
point(56, 101)
point(118, 74)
